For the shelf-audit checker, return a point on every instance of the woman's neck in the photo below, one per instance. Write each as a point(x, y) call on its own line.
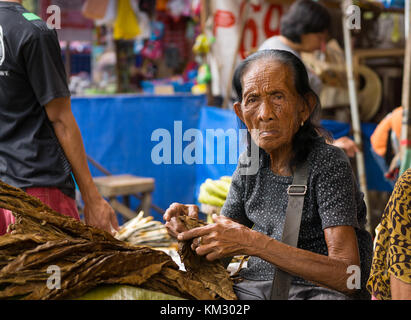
point(280, 160)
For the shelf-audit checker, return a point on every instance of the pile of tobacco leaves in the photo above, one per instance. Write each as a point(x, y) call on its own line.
point(88, 257)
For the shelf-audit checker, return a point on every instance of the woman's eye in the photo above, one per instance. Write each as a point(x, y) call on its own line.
point(278, 97)
point(251, 100)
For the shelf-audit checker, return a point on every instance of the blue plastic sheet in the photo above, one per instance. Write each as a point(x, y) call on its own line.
point(117, 132)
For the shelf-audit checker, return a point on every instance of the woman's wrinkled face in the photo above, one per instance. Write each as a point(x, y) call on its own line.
point(271, 105)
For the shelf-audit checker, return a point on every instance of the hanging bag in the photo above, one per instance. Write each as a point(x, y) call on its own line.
point(296, 193)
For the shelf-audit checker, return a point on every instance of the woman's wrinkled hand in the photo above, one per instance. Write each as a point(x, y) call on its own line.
point(224, 238)
point(173, 225)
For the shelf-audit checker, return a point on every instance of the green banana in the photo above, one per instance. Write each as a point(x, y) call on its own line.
point(224, 185)
point(213, 188)
point(226, 179)
point(207, 198)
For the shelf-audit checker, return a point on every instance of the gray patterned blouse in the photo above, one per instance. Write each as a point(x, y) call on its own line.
point(333, 199)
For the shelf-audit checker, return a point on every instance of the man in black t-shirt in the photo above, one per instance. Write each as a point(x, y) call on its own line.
point(40, 142)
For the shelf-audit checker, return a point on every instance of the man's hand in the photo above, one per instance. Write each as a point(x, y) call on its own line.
point(348, 145)
point(99, 214)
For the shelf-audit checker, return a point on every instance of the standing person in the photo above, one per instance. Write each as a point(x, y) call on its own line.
point(390, 277)
point(304, 28)
point(40, 142)
point(385, 145)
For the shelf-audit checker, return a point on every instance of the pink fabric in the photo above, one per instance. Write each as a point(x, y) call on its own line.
point(52, 197)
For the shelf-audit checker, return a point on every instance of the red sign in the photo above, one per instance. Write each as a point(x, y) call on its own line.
point(263, 22)
point(223, 19)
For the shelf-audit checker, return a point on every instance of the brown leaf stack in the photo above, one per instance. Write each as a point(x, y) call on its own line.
point(89, 257)
point(212, 275)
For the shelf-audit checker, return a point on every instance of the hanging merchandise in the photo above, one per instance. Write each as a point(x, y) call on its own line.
point(95, 9)
point(196, 7)
point(179, 8)
point(203, 44)
point(175, 34)
point(148, 6)
point(126, 26)
point(143, 20)
point(191, 30)
point(204, 74)
point(173, 57)
point(110, 15)
point(149, 69)
point(161, 5)
point(157, 30)
point(138, 46)
point(394, 3)
point(152, 50)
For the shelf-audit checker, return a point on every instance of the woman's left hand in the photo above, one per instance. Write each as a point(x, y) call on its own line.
point(224, 238)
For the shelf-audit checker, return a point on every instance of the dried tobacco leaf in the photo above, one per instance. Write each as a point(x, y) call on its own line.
point(87, 257)
point(213, 275)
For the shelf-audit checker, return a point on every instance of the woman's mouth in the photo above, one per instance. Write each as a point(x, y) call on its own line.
point(266, 133)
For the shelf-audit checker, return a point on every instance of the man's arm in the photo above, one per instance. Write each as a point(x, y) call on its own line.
point(400, 290)
point(97, 211)
point(348, 145)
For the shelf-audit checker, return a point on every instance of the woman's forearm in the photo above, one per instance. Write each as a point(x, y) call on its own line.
point(320, 269)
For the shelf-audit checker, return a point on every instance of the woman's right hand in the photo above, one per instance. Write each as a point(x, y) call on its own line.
point(173, 225)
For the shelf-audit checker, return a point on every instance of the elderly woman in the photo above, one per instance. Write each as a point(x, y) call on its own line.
point(275, 100)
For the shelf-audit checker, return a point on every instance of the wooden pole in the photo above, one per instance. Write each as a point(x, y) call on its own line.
point(406, 97)
point(205, 12)
point(355, 116)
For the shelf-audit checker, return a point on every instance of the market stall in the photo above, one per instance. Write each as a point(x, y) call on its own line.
point(152, 95)
point(174, 49)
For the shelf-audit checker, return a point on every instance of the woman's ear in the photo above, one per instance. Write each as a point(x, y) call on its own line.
point(310, 103)
point(238, 111)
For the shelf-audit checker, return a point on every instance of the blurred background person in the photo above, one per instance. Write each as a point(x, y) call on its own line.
point(390, 277)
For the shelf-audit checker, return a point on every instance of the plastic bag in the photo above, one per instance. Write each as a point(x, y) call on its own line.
point(126, 26)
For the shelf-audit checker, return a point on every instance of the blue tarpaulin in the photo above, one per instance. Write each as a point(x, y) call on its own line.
point(117, 133)
point(120, 132)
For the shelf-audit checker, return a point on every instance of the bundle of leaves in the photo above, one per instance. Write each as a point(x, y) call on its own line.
point(88, 257)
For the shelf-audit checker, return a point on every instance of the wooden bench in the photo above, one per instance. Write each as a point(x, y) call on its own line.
point(126, 185)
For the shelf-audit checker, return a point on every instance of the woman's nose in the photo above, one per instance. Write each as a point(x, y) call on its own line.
point(265, 112)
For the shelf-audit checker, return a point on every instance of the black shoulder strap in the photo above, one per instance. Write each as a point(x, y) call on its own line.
point(296, 193)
